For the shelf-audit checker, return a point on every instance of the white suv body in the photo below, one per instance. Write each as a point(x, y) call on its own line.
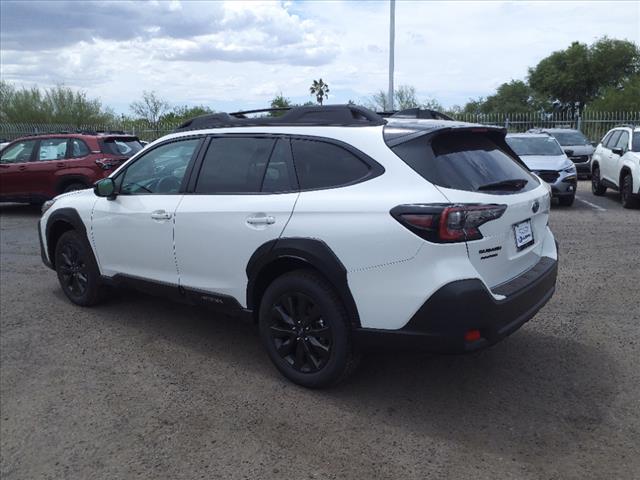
point(616, 164)
point(408, 261)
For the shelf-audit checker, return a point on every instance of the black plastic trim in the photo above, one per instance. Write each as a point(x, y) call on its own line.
point(442, 321)
point(69, 216)
point(310, 251)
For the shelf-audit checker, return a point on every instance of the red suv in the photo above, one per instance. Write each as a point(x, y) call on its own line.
point(36, 168)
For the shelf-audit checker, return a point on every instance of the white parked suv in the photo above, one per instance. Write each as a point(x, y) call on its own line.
point(616, 165)
point(337, 230)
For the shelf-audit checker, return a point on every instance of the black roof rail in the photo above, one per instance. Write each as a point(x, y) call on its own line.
point(419, 113)
point(320, 115)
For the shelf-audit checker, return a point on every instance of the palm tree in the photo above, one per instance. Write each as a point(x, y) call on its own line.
point(320, 90)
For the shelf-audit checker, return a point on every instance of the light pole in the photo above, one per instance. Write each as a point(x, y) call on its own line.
point(392, 35)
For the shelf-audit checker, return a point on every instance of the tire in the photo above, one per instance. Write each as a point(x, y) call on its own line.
point(306, 330)
point(626, 192)
point(596, 186)
point(72, 187)
point(566, 201)
point(77, 270)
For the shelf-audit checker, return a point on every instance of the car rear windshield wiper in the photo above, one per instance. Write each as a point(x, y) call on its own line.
point(511, 184)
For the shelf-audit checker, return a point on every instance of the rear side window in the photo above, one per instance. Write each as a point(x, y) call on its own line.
point(635, 146)
point(280, 175)
point(79, 148)
point(323, 165)
point(234, 165)
point(465, 161)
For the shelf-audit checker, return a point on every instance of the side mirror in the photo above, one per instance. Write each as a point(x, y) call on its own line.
point(569, 152)
point(618, 151)
point(105, 188)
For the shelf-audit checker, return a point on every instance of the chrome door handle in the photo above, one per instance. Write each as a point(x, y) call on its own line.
point(261, 220)
point(160, 215)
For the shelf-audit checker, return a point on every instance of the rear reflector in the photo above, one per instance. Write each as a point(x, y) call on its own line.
point(447, 223)
point(472, 336)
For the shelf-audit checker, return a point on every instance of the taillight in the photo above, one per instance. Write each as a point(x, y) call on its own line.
point(106, 163)
point(447, 223)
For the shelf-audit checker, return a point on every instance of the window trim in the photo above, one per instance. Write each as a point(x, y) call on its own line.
point(375, 169)
point(119, 176)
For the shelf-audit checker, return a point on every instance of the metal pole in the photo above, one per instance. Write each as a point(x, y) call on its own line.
point(392, 35)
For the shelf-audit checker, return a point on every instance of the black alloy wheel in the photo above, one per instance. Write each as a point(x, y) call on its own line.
point(299, 333)
point(73, 270)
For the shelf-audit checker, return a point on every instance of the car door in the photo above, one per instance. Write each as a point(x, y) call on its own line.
point(133, 232)
point(242, 197)
point(13, 165)
point(616, 158)
point(606, 168)
point(51, 156)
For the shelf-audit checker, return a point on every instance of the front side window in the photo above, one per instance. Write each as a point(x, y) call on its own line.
point(635, 145)
point(234, 165)
point(623, 141)
point(161, 170)
point(280, 175)
point(534, 145)
point(324, 165)
point(613, 139)
point(52, 149)
point(18, 152)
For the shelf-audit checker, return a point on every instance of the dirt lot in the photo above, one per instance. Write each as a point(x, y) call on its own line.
point(143, 388)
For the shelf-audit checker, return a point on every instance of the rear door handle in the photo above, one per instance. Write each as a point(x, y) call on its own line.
point(261, 220)
point(22, 168)
point(60, 165)
point(160, 215)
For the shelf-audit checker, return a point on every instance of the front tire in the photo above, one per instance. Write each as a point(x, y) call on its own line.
point(626, 192)
point(596, 186)
point(566, 201)
point(77, 270)
point(306, 330)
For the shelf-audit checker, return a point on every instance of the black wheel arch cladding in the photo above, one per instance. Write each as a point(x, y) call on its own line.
point(60, 221)
point(310, 252)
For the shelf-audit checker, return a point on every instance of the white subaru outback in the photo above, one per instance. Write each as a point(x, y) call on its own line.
point(616, 165)
point(337, 230)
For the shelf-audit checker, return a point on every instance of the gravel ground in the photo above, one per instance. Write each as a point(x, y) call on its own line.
point(143, 388)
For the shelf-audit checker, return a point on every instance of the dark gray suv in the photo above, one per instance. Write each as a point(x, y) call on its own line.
point(575, 145)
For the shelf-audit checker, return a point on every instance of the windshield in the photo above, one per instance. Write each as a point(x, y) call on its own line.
point(570, 138)
point(534, 145)
point(635, 145)
point(121, 146)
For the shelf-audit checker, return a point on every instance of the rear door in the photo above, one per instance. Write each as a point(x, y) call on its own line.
point(476, 168)
point(51, 156)
point(15, 158)
point(241, 198)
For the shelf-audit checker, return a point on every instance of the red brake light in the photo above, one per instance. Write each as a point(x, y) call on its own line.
point(447, 223)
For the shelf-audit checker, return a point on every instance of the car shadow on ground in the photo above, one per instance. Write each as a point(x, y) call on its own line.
point(531, 389)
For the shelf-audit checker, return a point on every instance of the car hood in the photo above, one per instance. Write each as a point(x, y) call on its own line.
point(546, 162)
point(579, 149)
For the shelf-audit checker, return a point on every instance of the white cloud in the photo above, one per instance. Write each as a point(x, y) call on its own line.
point(239, 54)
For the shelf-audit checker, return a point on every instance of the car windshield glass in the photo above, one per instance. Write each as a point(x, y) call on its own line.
point(570, 138)
point(534, 145)
point(635, 145)
point(121, 146)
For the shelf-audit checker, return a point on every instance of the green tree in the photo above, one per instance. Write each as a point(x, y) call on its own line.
point(404, 97)
point(280, 101)
point(320, 89)
point(151, 108)
point(580, 74)
point(624, 98)
point(182, 113)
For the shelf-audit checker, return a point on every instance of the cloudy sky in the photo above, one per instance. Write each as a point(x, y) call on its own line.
point(232, 55)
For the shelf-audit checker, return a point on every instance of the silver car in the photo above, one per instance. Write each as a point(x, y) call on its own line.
point(574, 144)
point(544, 156)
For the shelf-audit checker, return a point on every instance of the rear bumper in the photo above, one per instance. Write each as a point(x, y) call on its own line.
point(442, 321)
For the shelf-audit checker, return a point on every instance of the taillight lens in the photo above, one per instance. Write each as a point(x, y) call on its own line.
point(447, 223)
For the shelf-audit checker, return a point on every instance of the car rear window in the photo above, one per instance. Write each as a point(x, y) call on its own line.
point(121, 146)
point(535, 145)
point(570, 138)
point(464, 161)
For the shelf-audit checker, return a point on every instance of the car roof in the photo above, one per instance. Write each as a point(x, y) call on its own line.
point(41, 136)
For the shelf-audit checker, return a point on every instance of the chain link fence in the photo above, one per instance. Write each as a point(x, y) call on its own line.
point(593, 124)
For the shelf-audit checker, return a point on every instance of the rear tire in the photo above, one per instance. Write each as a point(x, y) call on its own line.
point(626, 192)
point(77, 270)
point(566, 201)
point(306, 330)
point(72, 187)
point(596, 186)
